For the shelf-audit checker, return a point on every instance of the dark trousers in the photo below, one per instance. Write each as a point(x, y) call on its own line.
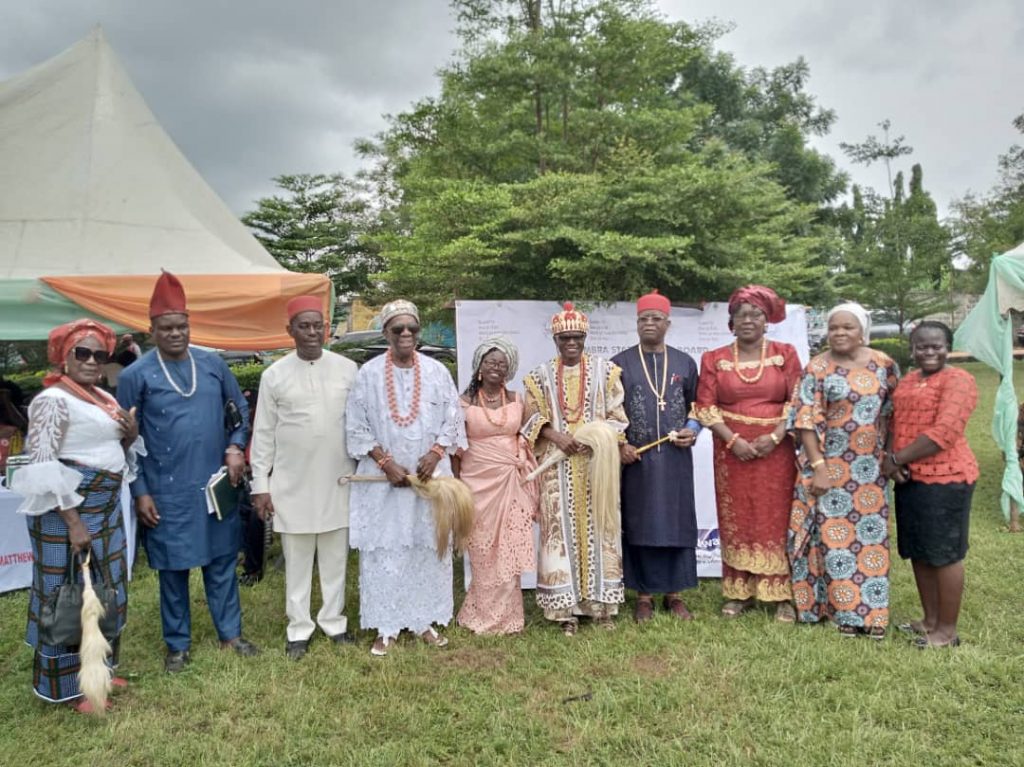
point(252, 537)
point(221, 587)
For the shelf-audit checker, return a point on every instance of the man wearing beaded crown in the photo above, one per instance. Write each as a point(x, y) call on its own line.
point(180, 395)
point(659, 516)
point(579, 569)
point(298, 453)
point(403, 417)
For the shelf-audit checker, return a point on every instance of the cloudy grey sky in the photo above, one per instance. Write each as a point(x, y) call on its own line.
point(250, 89)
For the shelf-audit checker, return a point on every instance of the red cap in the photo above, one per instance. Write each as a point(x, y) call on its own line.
point(301, 304)
point(168, 296)
point(653, 300)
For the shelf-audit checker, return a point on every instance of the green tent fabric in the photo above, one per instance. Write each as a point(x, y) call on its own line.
point(987, 334)
point(30, 309)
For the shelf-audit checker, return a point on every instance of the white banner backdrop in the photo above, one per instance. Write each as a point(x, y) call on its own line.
point(15, 546)
point(612, 329)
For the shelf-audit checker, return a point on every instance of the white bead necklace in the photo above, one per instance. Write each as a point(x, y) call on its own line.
point(172, 382)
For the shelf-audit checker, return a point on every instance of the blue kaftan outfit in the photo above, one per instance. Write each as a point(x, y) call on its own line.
point(186, 439)
point(659, 518)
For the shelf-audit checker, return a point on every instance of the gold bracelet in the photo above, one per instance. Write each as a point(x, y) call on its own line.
point(816, 464)
point(775, 439)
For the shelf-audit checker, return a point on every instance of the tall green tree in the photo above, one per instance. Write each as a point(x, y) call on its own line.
point(594, 149)
point(320, 224)
point(896, 254)
point(992, 223)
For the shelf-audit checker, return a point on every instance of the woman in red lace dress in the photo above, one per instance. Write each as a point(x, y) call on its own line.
point(743, 398)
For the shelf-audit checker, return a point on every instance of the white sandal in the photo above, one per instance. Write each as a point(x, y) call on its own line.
point(385, 643)
point(432, 638)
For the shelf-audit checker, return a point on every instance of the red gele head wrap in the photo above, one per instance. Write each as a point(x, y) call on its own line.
point(64, 338)
point(569, 321)
point(301, 304)
point(765, 299)
point(653, 300)
point(168, 296)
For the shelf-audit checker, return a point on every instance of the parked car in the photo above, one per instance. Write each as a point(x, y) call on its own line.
point(233, 357)
point(886, 325)
point(363, 345)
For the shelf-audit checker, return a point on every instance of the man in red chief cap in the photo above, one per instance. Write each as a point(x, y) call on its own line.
point(659, 517)
point(182, 396)
point(298, 453)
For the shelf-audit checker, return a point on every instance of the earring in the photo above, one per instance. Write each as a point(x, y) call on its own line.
point(479, 376)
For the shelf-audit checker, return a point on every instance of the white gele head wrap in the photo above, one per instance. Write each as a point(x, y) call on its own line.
point(857, 311)
point(504, 346)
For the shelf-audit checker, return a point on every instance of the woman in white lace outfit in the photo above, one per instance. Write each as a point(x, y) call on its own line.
point(82, 447)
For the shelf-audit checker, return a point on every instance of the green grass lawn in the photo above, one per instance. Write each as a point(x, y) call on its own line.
point(712, 692)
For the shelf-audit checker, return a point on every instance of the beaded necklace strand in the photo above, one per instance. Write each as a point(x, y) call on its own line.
point(172, 382)
point(389, 384)
point(571, 415)
point(504, 413)
point(736, 362)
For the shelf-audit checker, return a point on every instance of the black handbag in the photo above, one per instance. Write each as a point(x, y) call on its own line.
point(60, 613)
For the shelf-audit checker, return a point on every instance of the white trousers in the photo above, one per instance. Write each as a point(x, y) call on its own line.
point(331, 553)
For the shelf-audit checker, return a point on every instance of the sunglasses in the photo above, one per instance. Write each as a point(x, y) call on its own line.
point(399, 329)
point(82, 354)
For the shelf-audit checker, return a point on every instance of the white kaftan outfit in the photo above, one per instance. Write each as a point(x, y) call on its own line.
point(298, 453)
point(402, 584)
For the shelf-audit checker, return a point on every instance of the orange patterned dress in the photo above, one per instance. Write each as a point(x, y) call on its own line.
point(753, 497)
point(839, 542)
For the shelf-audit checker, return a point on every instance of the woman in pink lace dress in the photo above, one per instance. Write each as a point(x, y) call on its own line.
point(501, 548)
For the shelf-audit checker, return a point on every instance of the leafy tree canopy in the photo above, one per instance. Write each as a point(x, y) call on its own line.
point(319, 225)
point(594, 149)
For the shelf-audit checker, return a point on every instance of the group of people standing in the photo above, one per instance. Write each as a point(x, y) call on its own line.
point(802, 457)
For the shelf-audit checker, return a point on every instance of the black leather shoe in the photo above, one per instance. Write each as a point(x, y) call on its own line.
point(242, 646)
point(250, 579)
point(343, 638)
point(295, 650)
point(176, 660)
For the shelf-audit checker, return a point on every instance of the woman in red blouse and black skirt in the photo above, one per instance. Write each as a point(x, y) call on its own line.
point(935, 471)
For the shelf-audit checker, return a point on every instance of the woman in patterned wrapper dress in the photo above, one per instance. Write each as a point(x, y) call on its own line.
point(82, 448)
point(494, 466)
point(743, 397)
point(839, 522)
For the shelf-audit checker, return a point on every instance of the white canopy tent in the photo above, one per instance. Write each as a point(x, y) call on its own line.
point(95, 199)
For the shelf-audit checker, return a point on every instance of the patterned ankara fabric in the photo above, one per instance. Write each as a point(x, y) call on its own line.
point(938, 406)
point(753, 497)
point(55, 667)
point(578, 573)
point(501, 547)
point(838, 543)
